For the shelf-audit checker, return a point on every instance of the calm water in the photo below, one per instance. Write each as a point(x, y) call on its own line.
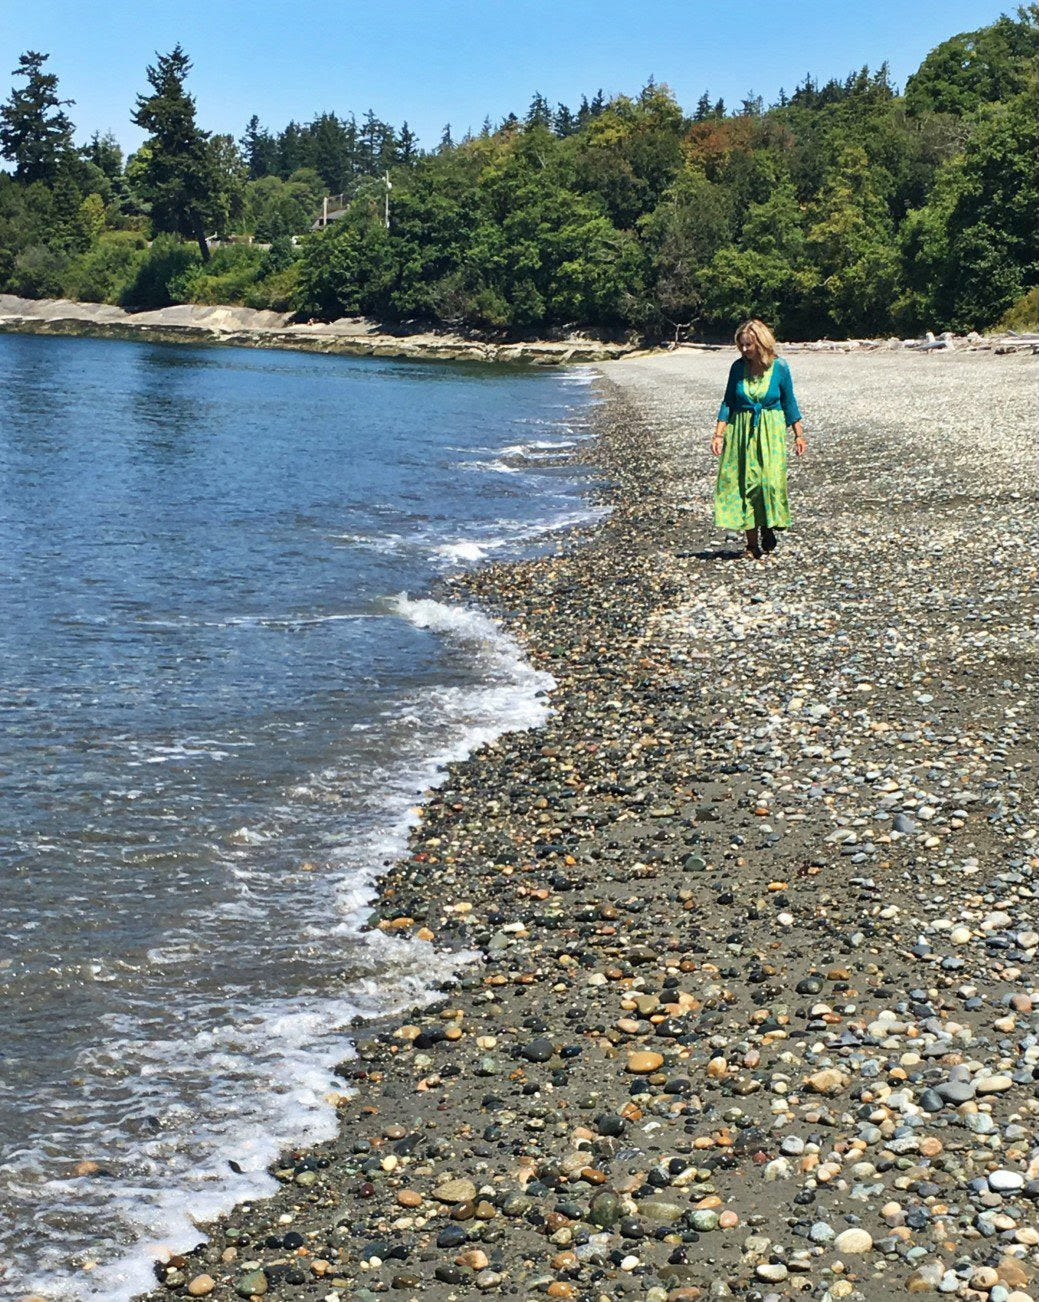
point(222, 690)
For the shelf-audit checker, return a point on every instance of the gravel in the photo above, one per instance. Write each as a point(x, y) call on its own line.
point(755, 1013)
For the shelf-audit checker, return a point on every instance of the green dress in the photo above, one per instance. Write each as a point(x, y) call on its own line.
point(751, 491)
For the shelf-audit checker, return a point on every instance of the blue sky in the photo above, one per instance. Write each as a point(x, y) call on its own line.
point(438, 61)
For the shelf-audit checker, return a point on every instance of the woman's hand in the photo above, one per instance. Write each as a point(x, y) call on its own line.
point(717, 444)
point(800, 445)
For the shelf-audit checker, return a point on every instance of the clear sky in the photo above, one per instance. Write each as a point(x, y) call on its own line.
point(437, 61)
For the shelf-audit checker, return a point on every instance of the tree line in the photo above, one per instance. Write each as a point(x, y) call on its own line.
point(846, 208)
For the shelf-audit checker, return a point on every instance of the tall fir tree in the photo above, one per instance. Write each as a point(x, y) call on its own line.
point(259, 150)
point(407, 145)
point(35, 130)
point(179, 179)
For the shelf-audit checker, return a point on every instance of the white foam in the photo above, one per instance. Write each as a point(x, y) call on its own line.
point(538, 450)
point(497, 467)
point(389, 543)
point(514, 534)
point(463, 551)
point(273, 1086)
point(270, 1067)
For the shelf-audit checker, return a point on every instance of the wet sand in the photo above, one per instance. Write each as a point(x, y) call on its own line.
point(755, 1008)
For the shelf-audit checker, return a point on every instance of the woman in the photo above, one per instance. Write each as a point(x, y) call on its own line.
point(750, 439)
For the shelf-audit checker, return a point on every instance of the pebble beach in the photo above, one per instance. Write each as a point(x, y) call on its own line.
point(752, 1011)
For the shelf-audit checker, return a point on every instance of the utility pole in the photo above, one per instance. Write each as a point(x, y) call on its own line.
point(389, 187)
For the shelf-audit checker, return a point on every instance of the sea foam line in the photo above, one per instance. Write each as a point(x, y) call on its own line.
point(283, 1053)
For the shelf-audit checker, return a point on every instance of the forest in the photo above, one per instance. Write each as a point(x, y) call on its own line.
point(849, 208)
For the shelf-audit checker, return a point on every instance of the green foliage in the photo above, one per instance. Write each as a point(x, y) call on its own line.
point(968, 71)
point(629, 154)
point(277, 292)
point(681, 235)
point(183, 174)
point(92, 217)
point(35, 131)
point(103, 273)
point(227, 277)
point(159, 272)
point(38, 272)
point(851, 244)
point(274, 208)
point(970, 252)
point(842, 209)
point(1024, 315)
point(346, 269)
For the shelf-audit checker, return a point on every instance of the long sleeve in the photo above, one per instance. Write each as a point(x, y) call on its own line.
point(729, 401)
point(791, 410)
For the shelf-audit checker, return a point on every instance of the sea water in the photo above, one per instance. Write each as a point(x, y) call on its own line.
point(224, 687)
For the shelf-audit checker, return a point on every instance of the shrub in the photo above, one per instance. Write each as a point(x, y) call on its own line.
point(103, 273)
point(1023, 316)
point(228, 276)
point(158, 272)
point(277, 292)
point(38, 272)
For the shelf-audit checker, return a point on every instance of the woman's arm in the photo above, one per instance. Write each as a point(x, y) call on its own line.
point(725, 410)
point(791, 410)
point(729, 400)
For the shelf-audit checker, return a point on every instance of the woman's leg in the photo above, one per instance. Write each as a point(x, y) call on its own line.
point(753, 546)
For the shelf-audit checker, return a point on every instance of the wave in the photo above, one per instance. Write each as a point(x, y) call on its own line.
point(495, 467)
point(268, 1067)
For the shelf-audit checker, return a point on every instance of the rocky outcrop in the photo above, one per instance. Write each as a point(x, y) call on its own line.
point(244, 327)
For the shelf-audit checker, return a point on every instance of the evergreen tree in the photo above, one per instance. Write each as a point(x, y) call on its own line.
point(376, 147)
point(563, 123)
point(407, 145)
point(106, 155)
point(291, 151)
point(703, 108)
point(446, 141)
point(35, 131)
point(259, 150)
point(334, 151)
point(179, 179)
point(539, 114)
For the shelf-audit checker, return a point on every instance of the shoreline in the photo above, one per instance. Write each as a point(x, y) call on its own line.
point(241, 327)
point(724, 997)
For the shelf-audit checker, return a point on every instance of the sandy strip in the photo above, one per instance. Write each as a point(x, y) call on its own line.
point(757, 1015)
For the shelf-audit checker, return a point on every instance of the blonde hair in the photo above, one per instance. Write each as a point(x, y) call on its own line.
point(762, 336)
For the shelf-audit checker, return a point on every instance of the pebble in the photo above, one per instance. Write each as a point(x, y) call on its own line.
point(455, 1191)
point(1005, 1181)
point(772, 1271)
point(993, 1084)
point(745, 964)
point(645, 1062)
point(853, 1241)
point(254, 1284)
